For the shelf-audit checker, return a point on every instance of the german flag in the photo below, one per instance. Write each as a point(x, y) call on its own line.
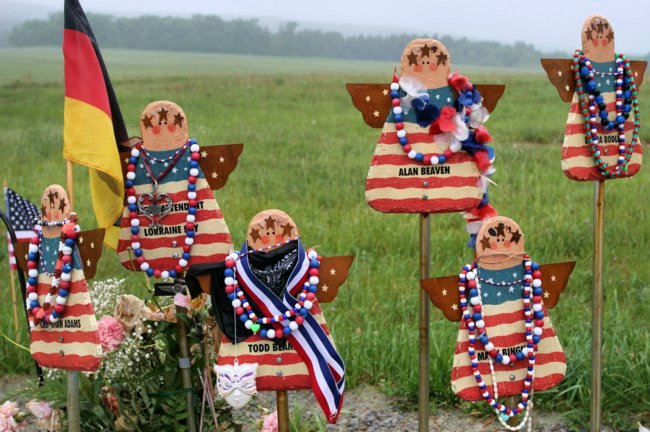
point(93, 124)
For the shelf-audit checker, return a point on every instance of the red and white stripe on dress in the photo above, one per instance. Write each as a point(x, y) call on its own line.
point(577, 162)
point(71, 343)
point(505, 327)
point(397, 184)
point(212, 241)
point(280, 366)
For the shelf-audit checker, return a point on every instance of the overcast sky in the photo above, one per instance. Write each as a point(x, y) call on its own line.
point(548, 24)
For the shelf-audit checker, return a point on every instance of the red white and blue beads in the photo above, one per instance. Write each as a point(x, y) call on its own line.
point(469, 291)
point(429, 159)
point(469, 99)
point(60, 283)
point(594, 109)
point(290, 320)
point(193, 173)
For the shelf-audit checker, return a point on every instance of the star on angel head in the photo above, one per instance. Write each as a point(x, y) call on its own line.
point(162, 115)
point(424, 51)
point(178, 120)
point(413, 58)
point(62, 205)
point(51, 195)
point(270, 222)
point(287, 229)
point(146, 121)
point(255, 234)
point(442, 58)
point(515, 237)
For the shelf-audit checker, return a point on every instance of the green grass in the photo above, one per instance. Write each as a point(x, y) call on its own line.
point(307, 151)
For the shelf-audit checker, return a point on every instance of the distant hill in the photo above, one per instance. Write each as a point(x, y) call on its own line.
point(210, 33)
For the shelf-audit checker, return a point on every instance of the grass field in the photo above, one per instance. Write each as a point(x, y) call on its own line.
point(307, 151)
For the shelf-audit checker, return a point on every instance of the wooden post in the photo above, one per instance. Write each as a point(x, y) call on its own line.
point(70, 183)
point(73, 405)
point(511, 403)
point(597, 307)
point(184, 363)
point(423, 360)
point(282, 400)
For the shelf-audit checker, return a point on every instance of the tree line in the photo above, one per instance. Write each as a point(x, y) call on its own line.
point(212, 34)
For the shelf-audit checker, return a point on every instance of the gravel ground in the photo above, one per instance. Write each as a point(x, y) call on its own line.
point(367, 409)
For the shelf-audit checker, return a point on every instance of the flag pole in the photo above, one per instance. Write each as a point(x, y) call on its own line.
point(74, 404)
point(70, 183)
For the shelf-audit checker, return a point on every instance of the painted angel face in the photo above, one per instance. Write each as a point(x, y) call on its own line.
point(426, 61)
point(598, 39)
point(163, 126)
point(236, 383)
point(500, 241)
point(269, 228)
point(55, 204)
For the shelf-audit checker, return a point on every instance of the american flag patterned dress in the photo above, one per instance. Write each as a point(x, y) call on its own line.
point(505, 326)
point(397, 184)
point(71, 343)
point(577, 162)
point(212, 241)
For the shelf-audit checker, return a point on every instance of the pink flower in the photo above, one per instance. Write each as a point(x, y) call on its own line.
point(9, 409)
point(41, 410)
point(111, 333)
point(182, 301)
point(270, 423)
point(7, 421)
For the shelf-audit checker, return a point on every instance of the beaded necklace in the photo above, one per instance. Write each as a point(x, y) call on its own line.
point(593, 107)
point(468, 97)
point(532, 291)
point(134, 221)
point(291, 319)
point(60, 283)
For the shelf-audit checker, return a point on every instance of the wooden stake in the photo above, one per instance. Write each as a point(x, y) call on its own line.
point(282, 401)
point(70, 183)
point(14, 303)
point(511, 403)
point(184, 363)
point(423, 358)
point(73, 406)
point(597, 306)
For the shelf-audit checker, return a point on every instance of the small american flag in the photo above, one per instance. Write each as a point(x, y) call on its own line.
point(21, 213)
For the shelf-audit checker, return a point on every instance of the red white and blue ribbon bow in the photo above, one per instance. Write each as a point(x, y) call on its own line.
point(326, 368)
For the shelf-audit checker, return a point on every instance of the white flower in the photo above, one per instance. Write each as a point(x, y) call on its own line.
point(478, 115)
point(453, 140)
point(413, 88)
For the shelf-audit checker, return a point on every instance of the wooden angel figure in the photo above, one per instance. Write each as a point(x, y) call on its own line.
point(266, 301)
point(171, 219)
point(601, 138)
point(57, 260)
point(506, 343)
point(432, 155)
